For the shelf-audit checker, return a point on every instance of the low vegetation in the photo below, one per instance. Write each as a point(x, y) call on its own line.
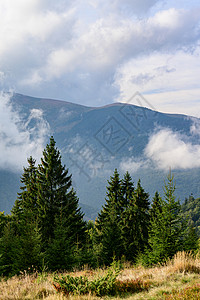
point(176, 279)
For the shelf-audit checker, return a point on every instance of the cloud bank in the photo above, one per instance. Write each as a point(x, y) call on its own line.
point(19, 140)
point(97, 52)
point(168, 149)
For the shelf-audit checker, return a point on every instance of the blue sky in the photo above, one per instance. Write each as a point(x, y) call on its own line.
point(96, 52)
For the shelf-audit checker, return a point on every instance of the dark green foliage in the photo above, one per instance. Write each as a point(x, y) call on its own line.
point(127, 188)
point(94, 248)
point(53, 185)
point(191, 210)
point(46, 223)
point(9, 251)
point(172, 219)
point(156, 205)
point(190, 239)
point(24, 220)
point(123, 222)
point(59, 253)
point(135, 222)
point(114, 199)
point(168, 232)
point(60, 219)
point(109, 221)
point(112, 244)
point(141, 201)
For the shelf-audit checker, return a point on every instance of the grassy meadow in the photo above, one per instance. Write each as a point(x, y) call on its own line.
point(179, 278)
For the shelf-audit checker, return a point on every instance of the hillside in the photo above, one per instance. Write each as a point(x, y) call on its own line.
point(95, 141)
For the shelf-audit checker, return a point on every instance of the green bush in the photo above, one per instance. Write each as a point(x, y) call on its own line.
point(100, 286)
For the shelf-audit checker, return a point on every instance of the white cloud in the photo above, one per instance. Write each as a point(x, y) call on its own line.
point(195, 127)
point(46, 47)
point(168, 149)
point(130, 164)
point(19, 140)
point(169, 82)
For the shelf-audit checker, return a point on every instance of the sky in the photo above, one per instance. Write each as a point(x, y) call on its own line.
point(96, 52)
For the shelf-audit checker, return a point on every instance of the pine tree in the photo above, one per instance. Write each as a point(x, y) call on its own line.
point(57, 201)
point(53, 185)
point(24, 221)
point(9, 251)
point(156, 205)
point(172, 218)
point(25, 207)
point(108, 223)
point(135, 223)
point(127, 188)
point(114, 199)
point(141, 200)
point(166, 227)
point(156, 242)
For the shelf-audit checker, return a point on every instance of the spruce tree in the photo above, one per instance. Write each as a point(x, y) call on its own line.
point(24, 221)
point(156, 205)
point(172, 218)
point(108, 223)
point(25, 206)
point(141, 201)
point(127, 188)
point(166, 231)
point(135, 223)
point(114, 199)
point(57, 201)
point(53, 185)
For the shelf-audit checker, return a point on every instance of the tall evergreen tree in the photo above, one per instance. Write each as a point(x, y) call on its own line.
point(166, 227)
point(127, 188)
point(25, 206)
point(141, 200)
point(108, 223)
point(156, 205)
point(56, 199)
point(114, 199)
point(53, 185)
point(24, 221)
point(135, 223)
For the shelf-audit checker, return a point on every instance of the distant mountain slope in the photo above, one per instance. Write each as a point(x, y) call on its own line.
point(94, 141)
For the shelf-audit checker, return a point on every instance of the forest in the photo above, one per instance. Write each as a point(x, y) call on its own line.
point(46, 228)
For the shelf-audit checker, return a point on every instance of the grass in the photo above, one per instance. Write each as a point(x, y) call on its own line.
point(177, 279)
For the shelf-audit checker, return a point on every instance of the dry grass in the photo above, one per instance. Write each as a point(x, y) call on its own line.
point(182, 272)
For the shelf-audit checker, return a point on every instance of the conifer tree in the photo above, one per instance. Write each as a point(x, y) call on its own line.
point(25, 206)
point(172, 218)
point(114, 199)
point(53, 185)
point(108, 223)
point(24, 221)
point(127, 188)
point(166, 227)
point(57, 200)
point(135, 223)
point(141, 201)
point(156, 205)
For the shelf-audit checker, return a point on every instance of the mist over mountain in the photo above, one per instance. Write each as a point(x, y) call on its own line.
point(93, 141)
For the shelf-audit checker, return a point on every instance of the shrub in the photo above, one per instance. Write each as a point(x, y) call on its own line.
point(100, 286)
point(104, 285)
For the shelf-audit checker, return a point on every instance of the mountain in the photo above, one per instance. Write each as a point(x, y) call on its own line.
point(93, 141)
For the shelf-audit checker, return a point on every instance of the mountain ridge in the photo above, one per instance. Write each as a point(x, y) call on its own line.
point(78, 128)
